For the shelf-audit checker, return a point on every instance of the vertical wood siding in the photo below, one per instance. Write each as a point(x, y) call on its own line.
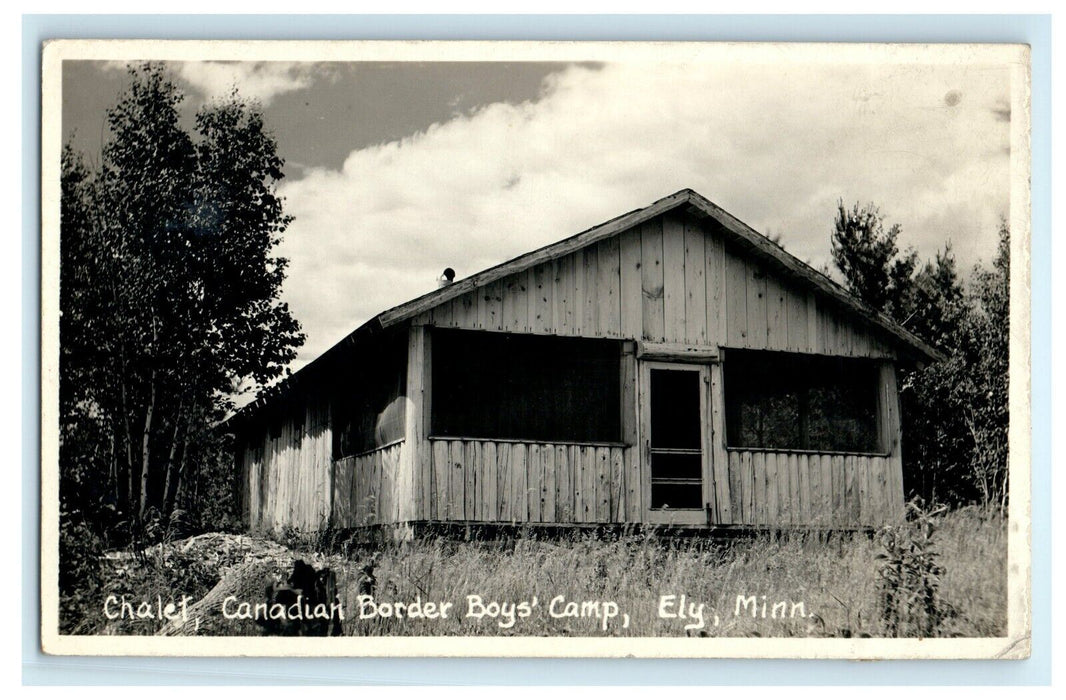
point(670, 279)
point(535, 482)
point(368, 489)
point(781, 489)
point(287, 477)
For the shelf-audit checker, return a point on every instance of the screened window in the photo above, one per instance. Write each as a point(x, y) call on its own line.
point(803, 402)
point(369, 401)
point(524, 387)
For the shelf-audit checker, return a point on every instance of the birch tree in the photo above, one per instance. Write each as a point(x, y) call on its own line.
point(171, 288)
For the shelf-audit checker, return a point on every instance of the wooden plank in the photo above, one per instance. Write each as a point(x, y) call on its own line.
point(471, 469)
point(442, 315)
point(630, 433)
point(441, 483)
point(674, 279)
point(608, 289)
point(695, 283)
point(785, 502)
point(866, 512)
point(582, 484)
point(590, 291)
point(340, 515)
point(413, 492)
point(603, 484)
point(839, 486)
point(577, 484)
point(543, 295)
point(495, 303)
point(634, 503)
point(653, 310)
point(776, 315)
point(826, 462)
point(547, 484)
point(814, 477)
point(890, 432)
point(377, 491)
point(795, 491)
point(736, 301)
point(513, 303)
point(618, 486)
point(630, 295)
point(504, 471)
point(384, 479)
point(879, 481)
point(860, 339)
point(534, 483)
point(773, 500)
point(484, 305)
point(736, 489)
point(748, 485)
point(714, 271)
point(564, 499)
point(530, 293)
point(392, 457)
point(588, 484)
point(803, 470)
point(815, 342)
point(756, 307)
point(464, 311)
point(456, 480)
point(579, 298)
point(796, 319)
point(677, 352)
point(851, 487)
point(719, 459)
point(766, 490)
point(519, 476)
point(564, 296)
point(384, 487)
point(489, 508)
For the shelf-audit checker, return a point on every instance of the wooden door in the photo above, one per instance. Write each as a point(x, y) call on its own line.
point(676, 460)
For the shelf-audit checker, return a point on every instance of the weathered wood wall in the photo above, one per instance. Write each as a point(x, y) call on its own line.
point(519, 482)
point(782, 489)
point(286, 471)
point(669, 280)
point(367, 488)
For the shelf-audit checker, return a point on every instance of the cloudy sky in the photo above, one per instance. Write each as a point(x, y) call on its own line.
point(397, 170)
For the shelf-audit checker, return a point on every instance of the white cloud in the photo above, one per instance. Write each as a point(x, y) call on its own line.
point(776, 146)
point(261, 81)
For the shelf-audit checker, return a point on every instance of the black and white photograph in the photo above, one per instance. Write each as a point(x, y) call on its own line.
point(535, 349)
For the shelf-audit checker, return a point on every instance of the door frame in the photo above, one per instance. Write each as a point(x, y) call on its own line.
point(687, 516)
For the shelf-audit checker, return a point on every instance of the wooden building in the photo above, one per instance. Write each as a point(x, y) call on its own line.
point(671, 365)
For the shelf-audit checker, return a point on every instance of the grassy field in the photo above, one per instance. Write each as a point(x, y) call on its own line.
point(821, 586)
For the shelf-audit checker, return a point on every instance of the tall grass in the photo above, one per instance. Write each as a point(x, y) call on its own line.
point(834, 577)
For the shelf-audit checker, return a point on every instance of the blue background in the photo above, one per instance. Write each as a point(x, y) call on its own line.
point(1034, 30)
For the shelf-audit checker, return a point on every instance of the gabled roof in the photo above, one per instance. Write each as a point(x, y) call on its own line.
point(700, 208)
point(687, 201)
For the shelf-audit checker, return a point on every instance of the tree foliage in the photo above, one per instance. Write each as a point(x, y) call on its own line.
point(169, 300)
point(955, 411)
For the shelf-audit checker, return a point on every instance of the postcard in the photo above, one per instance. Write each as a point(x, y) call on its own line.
point(535, 349)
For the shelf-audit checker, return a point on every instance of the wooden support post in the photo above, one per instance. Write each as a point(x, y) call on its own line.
point(415, 490)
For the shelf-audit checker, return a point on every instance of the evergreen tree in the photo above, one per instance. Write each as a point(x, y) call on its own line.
point(954, 411)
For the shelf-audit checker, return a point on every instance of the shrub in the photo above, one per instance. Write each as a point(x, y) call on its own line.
point(80, 575)
point(909, 576)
